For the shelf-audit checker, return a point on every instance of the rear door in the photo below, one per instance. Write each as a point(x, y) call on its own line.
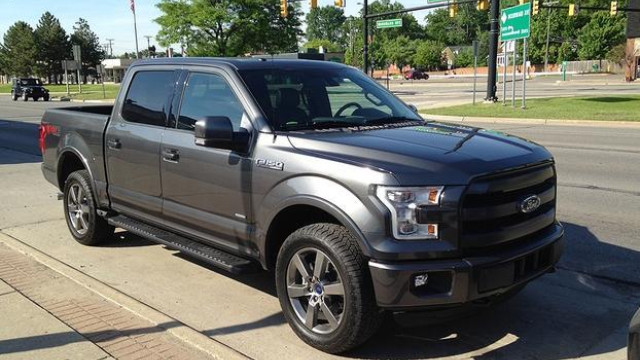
point(206, 190)
point(132, 143)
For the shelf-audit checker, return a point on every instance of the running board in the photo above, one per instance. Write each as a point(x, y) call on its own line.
point(215, 257)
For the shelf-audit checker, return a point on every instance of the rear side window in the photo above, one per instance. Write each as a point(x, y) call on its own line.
point(208, 95)
point(147, 98)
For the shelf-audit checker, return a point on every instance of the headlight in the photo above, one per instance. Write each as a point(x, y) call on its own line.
point(403, 203)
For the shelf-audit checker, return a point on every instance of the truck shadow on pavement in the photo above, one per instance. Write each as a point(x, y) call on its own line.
point(563, 315)
point(18, 143)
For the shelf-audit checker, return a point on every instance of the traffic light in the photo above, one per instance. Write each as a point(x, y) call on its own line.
point(614, 8)
point(339, 3)
point(284, 8)
point(536, 7)
point(572, 9)
point(453, 9)
point(482, 5)
point(313, 4)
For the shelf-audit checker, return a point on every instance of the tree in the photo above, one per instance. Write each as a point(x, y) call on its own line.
point(600, 35)
point(400, 51)
point(91, 52)
point(352, 28)
point(460, 30)
point(53, 46)
point(326, 23)
point(20, 49)
point(464, 58)
point(429, 55)
point(227, 27)
point(327, 45)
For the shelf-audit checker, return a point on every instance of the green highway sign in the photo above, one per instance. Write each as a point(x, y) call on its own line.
point(436, 1)
point(515, 22)
point(391, 23)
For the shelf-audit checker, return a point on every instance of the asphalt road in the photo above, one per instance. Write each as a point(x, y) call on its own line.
point(580, 311)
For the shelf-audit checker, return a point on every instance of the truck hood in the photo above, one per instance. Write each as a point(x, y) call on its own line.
point(430, 154)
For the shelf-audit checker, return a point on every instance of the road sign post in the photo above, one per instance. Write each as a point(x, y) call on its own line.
point(390, 23)
point(513, 78)
point(475, 68)
point(77, 56)
point(524, 73)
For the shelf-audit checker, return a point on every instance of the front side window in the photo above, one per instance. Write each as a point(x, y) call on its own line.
point(299, 99)
point(147, 98)
point(207, 95)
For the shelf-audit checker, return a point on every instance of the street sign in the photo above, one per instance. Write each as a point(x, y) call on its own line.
point(436, 1)
point(77, 53)
point(391, 23)
point(515, 22)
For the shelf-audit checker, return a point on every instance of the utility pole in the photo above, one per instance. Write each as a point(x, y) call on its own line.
point(493, 51)
point(365, 49)
point(110, 47)
point(546, 48)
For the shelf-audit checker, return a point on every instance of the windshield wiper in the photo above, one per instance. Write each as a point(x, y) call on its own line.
point(390, 120)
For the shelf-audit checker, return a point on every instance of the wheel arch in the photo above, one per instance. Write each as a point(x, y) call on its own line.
point(303, 201)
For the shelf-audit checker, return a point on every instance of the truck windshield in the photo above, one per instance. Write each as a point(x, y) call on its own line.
point(301, 99)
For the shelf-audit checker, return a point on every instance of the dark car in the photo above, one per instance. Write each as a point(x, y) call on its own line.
point(25, 88)
point(415, 75)
point(634, 337)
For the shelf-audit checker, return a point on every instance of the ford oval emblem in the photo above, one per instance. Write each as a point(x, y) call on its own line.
point(529, 204)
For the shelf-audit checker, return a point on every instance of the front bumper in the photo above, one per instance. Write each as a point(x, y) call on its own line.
point(413, 285)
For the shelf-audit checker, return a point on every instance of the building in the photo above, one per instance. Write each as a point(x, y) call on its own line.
point(114, 69)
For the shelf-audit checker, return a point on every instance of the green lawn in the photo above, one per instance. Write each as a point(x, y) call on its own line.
point(89, 92)
point(613, 108)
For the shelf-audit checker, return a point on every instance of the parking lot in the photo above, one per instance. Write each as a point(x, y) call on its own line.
point(581, 311)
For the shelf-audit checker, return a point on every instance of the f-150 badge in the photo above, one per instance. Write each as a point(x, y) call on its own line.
point(270, 164)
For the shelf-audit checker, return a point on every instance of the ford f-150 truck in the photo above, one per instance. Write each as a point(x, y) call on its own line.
point(312, 170)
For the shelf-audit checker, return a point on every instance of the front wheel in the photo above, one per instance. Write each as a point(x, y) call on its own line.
point(325, 289)
point(80, 211)
point(25, 97)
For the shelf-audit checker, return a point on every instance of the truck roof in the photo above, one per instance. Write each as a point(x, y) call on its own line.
point(243, 63)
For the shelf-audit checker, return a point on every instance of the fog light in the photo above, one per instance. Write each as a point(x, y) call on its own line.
point(420, 280)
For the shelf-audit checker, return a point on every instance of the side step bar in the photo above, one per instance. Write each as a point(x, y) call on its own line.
point(215, 257)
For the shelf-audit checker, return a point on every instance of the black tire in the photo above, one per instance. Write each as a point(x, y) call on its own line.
point(25, 97)
point(95, 229)
point(36, 98)
point(360, 317)
point(46, 98)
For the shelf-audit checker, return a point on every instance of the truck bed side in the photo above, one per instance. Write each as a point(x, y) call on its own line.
point(74, 139)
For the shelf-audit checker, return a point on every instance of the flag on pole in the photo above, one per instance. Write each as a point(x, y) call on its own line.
point(133, 5)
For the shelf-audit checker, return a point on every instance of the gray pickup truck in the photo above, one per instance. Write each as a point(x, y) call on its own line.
point(313, 170)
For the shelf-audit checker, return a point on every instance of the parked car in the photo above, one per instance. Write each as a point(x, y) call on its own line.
point(633, 348)
point(25, 88)
point(415, 75)
point(311, 169)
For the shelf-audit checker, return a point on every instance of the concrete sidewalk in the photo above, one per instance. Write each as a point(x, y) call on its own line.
point(30, 332)
point(45, 315)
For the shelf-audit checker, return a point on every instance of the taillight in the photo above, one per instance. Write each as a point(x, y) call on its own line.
point(46, 129)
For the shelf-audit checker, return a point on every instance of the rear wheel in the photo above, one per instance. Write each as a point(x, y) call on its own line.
point(325, 288)
point(25, 97)
point(14, 96)
point(46, 98)
point(80, 211)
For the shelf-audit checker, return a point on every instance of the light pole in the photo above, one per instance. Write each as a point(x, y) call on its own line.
point(365, 49)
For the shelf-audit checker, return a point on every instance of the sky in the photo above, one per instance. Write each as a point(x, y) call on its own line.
point(112, 19)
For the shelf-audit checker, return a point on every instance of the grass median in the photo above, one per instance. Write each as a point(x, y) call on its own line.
point(609, 108)
point(89, 91)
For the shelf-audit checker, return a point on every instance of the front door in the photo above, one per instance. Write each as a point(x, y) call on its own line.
point(133, 142)
point(207, 190)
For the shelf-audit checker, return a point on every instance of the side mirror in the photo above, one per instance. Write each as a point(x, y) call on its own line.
point(217, 132)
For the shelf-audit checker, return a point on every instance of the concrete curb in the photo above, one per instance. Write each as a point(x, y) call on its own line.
point(493, 120)
point(190, 336)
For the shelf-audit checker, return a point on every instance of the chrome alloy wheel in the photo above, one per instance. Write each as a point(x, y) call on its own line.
point(315, 290)
point(78, 209)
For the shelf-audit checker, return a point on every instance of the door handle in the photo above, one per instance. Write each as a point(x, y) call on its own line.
point(114, 144)
point(170, 155)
